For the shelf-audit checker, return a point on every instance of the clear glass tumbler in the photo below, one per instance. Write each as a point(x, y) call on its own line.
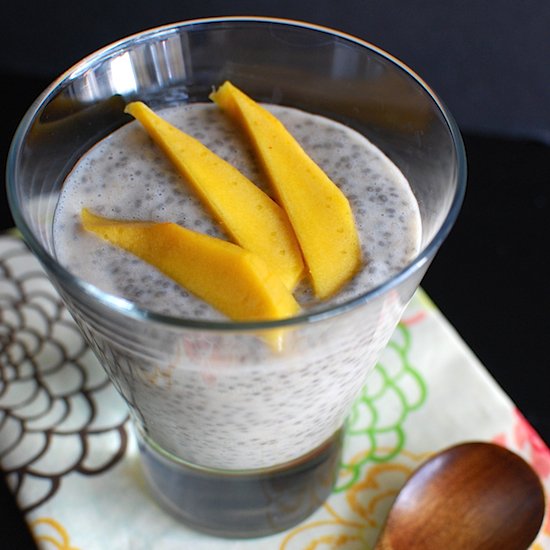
point(236, 438)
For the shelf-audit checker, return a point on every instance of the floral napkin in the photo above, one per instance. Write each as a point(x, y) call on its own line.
point(70, 457)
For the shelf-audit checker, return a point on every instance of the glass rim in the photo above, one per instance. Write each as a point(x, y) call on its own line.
point(128, 308)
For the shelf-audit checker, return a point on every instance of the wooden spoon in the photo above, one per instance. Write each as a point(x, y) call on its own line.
point(468, 497)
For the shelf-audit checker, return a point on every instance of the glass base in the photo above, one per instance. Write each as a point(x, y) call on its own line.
point(243, 504)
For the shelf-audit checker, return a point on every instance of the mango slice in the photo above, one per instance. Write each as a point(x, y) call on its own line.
point(319, 212)
point(233, 280)
point(249, 216)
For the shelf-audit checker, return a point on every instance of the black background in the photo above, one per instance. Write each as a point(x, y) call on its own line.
point(488, 61)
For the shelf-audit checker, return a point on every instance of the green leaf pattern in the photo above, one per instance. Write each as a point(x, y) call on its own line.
point(393, 390)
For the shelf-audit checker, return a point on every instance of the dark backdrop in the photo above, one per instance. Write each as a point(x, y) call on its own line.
point(488, 61)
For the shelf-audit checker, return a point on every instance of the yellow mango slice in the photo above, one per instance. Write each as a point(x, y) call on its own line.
point(233, 280)
point(319, 212)
point(249, 216)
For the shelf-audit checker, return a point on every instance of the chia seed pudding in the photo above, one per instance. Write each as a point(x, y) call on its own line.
point(229, 401)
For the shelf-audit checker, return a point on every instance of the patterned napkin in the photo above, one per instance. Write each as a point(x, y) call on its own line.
point(70, 457)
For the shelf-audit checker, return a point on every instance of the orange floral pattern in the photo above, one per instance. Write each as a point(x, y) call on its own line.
point(50, 534)
point(353, 520)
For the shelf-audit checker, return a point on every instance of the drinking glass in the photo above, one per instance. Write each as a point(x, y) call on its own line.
point(237, 438)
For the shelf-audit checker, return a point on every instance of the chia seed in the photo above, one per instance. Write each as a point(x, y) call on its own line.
point(216, 413)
